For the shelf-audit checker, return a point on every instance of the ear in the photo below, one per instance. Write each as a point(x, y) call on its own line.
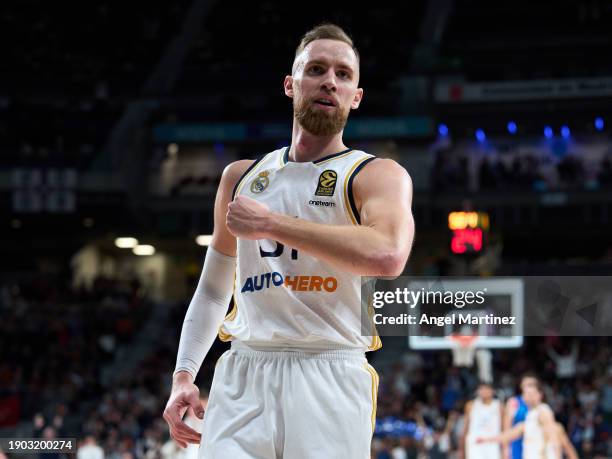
point(288, 84)
point(357, 99)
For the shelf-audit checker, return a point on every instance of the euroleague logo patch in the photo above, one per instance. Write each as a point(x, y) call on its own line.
point(327, 183)
point(260, 182)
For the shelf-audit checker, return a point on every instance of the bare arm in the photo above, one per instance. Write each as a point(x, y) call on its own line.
point(506, 436)
point(451, 421)
point(507, 418)
point(552, 353)
point(466, 428)
point(566, 444)
point(509, 413)
point(222, 239)
point(575, 349)
point(379, 246)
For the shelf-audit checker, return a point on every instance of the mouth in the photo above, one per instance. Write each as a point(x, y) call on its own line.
point(324, 102)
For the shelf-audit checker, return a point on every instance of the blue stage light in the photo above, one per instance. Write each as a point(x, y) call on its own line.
point(565, 132)
point(599, 123)
point(512, 127)
point(443, 129)
point(480, 135)
point(548, 132)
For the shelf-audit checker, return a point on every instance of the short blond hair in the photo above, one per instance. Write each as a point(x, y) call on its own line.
point(325, 31)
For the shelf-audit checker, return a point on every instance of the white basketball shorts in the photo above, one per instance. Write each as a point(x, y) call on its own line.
point(290, 404)
point(482, 450)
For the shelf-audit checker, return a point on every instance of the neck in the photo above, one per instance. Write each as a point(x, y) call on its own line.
point(309, 147)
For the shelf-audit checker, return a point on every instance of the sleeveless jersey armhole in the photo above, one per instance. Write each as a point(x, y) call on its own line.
point(244, 175)
point(348, 189)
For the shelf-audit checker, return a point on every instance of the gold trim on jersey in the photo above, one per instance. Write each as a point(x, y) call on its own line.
point(250, 175)
point(375, 380)
point(335, 157)
point(224, 336)
point(281, 160)
point(316, 162)
point(376, 341)
point(347, 204)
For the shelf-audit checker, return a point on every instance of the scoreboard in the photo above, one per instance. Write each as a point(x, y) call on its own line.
point(469, 231)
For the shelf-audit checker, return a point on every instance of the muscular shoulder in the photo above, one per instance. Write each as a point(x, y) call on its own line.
point(223, 240)
point(384, 176)
point(545, 413)
point(381, 169)
point(233, 172)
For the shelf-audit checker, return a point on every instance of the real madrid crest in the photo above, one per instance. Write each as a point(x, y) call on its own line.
point(260, 182)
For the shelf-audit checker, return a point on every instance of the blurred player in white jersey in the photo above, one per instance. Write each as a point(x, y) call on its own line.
point(483, 418)
point(515, 412)
point(541, 435)
point(294, 231)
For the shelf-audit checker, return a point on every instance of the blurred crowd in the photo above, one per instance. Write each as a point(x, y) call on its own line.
point(73, 72)
point(520, 168)
point(124, 418)
point(55, 340)
point(127, 422)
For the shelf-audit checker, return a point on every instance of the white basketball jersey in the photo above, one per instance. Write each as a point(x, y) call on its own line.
point(287, 298)
point(535, 444)
point(485, 419)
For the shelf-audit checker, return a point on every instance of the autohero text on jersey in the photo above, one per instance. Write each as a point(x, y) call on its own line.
point(296, 283)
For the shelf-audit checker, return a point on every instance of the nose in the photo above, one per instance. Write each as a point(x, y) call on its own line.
point(329, 82)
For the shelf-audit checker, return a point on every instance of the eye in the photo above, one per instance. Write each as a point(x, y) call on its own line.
point(315, 69)
point(343, 74)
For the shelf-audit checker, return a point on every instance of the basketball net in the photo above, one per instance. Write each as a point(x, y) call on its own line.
point(464, 349)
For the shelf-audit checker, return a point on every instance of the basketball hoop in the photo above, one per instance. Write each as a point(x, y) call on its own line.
point(464, 349)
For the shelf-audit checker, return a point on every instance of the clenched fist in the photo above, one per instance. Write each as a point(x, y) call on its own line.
point(248, 219)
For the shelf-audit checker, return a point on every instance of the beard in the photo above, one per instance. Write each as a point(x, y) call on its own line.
point(319, 122)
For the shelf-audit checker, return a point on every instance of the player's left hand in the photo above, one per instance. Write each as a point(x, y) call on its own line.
point(247, 218)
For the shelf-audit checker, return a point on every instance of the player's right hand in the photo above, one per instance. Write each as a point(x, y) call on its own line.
point(185, 395)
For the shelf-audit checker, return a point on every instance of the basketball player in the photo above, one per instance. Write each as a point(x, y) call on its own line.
point(515, 412)
point(483, 417)
point(540, 433)
point(293, 233)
